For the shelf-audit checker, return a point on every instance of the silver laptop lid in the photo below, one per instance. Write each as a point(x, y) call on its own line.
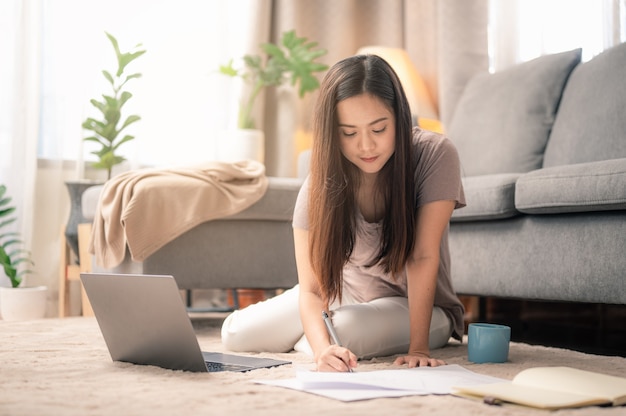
point(143, 320)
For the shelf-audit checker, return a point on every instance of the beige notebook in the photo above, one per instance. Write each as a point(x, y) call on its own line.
point(553, 388)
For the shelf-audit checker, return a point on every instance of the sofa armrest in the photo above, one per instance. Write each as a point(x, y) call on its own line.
point(488, 197)
point(253, 248)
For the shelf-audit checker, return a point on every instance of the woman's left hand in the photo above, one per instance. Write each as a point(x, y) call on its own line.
point(418, 360)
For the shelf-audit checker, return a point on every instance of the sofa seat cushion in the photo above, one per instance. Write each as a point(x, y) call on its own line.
point(502, 121)
point(591, 122)
point(593, 186)
point(488, 197)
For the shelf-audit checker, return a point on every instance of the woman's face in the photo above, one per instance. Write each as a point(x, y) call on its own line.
point(367, 132)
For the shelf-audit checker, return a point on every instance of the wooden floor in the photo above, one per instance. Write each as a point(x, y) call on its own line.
point(590, 328)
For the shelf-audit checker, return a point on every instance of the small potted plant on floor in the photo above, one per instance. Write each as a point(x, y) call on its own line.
point(293, 61)
point(16, 302)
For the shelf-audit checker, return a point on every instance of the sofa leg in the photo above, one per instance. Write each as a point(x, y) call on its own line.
point(190, 308)
point(237, 299)
point(482, 309)
point(235, 296)
point(243, 297)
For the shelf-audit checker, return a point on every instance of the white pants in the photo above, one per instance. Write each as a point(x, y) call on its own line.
point(373, 329)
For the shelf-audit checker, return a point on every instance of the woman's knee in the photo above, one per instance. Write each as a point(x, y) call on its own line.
point(233, 338)
point(382, 327)
point(269, 326)
point(370, 330)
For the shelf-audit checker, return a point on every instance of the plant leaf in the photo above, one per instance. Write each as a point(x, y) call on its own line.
point(228, 69)
point(126, 138)
point(106, 131)
point(11, 252)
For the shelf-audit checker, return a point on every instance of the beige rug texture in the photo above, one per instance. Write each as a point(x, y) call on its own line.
point(62, 367)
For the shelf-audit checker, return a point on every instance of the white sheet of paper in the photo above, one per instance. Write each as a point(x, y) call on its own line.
point(340, 392)
point(383, 383)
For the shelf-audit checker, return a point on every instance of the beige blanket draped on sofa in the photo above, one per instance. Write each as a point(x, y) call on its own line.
point(145, 209)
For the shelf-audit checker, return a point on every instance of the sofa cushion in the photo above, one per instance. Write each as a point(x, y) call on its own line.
point(502, 121)
point(489, 197)
point(593, 186)
point(591, 122)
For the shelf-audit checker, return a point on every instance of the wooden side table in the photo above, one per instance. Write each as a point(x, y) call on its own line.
point(72, 297)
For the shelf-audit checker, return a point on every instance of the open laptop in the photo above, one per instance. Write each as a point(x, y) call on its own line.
point(144, 321)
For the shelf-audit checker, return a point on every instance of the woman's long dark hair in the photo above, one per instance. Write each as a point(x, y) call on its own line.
point(334, 180)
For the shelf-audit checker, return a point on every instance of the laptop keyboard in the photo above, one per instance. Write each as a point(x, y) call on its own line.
point(213, 367)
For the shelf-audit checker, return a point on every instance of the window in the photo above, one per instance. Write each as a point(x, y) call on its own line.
point(521, 30)
point(182, 100)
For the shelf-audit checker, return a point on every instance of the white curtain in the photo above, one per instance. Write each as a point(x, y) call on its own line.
point(520, 30)
point(19, 109)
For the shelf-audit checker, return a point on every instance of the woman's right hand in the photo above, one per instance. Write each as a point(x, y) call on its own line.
point(336, 359)
point(328, 357)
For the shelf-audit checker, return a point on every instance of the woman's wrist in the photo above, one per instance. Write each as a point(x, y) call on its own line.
point(419, 351)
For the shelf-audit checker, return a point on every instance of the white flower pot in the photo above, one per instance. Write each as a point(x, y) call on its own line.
point(241, 144)
point(23, 303)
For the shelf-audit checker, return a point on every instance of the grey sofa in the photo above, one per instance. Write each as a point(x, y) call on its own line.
point(543, 150)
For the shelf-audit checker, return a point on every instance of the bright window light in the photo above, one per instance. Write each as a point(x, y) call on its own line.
point(520, 30)
point(559, 25)
point(183, 101)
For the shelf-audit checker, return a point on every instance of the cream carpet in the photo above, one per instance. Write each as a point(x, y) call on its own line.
point(62, 367)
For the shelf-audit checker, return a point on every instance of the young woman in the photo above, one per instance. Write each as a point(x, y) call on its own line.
point(370, 233)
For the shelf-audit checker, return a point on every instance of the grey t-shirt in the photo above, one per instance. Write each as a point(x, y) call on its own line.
point(437, 177)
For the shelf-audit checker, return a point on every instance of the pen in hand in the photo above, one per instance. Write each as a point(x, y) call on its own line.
point(332, 332)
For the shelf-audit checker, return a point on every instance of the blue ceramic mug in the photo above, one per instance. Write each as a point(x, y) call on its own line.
point(488, 343)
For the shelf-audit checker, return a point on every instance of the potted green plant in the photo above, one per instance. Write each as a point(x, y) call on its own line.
point(17, 302)
point(107, 131)
point(293, 61)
